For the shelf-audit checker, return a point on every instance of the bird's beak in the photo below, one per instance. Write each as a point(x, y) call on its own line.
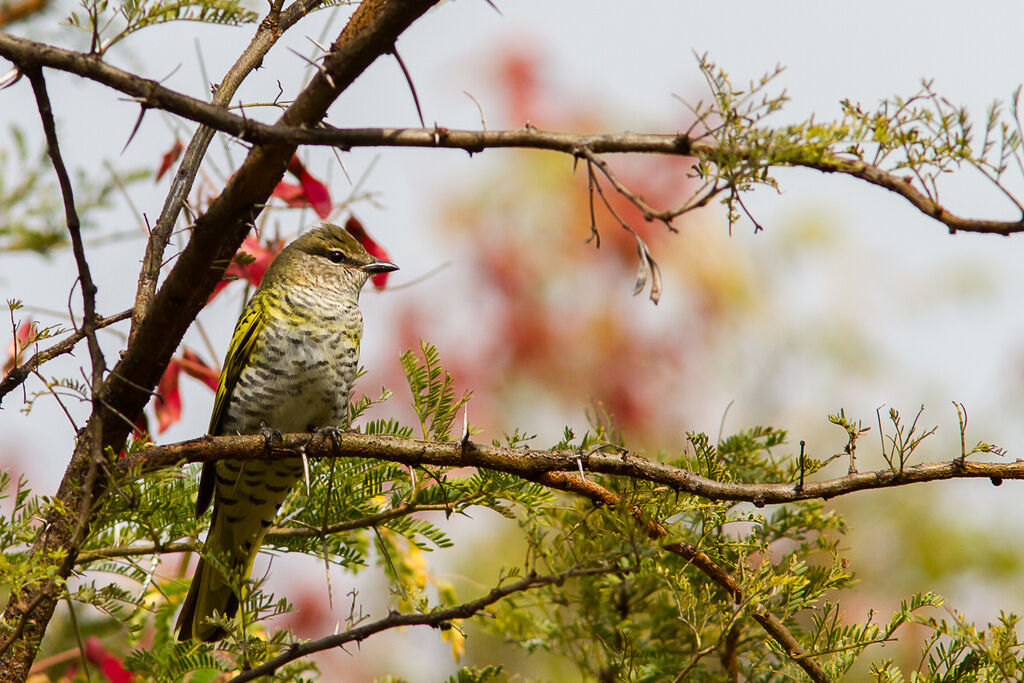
point(379, 267)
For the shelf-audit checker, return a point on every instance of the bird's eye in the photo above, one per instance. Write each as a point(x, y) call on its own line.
point(335, 256)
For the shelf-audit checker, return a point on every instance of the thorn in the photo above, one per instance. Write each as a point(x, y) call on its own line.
point(321, 47)
point(305, 468)
point(408, 79)
point(138, 122)
point(10, 78)
point(318, 67)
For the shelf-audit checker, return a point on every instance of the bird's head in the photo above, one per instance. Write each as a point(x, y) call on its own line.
point(327, 256)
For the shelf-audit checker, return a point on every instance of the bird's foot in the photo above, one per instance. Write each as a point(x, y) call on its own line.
point(270, 437)
point(333, 434)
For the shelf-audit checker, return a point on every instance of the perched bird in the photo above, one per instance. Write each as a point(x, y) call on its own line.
point(289, 368)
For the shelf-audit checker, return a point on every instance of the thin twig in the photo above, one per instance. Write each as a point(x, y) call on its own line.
point(19, 374)
point(436, 619)
point(94, 431)
point(274, 534)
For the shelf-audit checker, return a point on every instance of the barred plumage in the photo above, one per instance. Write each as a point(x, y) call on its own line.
point(290, 367)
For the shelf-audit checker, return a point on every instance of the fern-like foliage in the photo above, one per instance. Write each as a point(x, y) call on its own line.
point(99, 17)
point(639, 613)
point(433, 392)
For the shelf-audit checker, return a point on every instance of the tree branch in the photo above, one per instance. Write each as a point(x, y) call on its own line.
point(270, 29)
point(436, 619)
point(531, 464)
point(156, 96)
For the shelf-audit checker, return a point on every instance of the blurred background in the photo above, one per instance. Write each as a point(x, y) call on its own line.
point(847, 299)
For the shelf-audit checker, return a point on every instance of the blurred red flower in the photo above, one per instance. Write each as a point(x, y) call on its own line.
point(16, 349)
point(356, 229)
point(310, 191)
point(167, 404)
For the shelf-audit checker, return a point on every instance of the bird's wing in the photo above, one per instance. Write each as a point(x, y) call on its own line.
point(247, 331)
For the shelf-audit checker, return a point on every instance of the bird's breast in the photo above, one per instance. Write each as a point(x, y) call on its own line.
point(301, 369)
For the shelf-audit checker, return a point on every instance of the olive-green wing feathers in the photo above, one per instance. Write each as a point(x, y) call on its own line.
point(247, 331)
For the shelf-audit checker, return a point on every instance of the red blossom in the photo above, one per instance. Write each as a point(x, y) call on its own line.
point(292, 194)
point(356, 229)
point(168, 159)
point(194, 366)
point(519, 75)
point(16, 349)
point(167, 405)
point(310, 191)
point(97, 653)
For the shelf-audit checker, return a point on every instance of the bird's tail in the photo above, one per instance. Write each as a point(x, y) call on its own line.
point(208, 593)
point(241, 517)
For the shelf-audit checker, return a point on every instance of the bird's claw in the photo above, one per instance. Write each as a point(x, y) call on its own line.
point(332, 433)
point(270, 437)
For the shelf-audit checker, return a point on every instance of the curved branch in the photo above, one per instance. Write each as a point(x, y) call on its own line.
point(153, 95)
point(270, 29)
point(920, 200)
point(437, 619)
point(532, 464)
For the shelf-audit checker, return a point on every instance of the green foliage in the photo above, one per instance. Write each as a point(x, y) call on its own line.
point(99, 16)
point(628, 610)
point(660, 616)
point(433, 392)
point(924, 135)
point(18, 529)
point(475, 675)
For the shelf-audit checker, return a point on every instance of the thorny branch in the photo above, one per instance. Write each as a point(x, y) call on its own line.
point(557, 470)
point(687, 144)
point(530, 464)
point(437, 619)
point(270, 29)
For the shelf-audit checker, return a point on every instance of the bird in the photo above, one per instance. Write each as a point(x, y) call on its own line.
point(290, 367)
